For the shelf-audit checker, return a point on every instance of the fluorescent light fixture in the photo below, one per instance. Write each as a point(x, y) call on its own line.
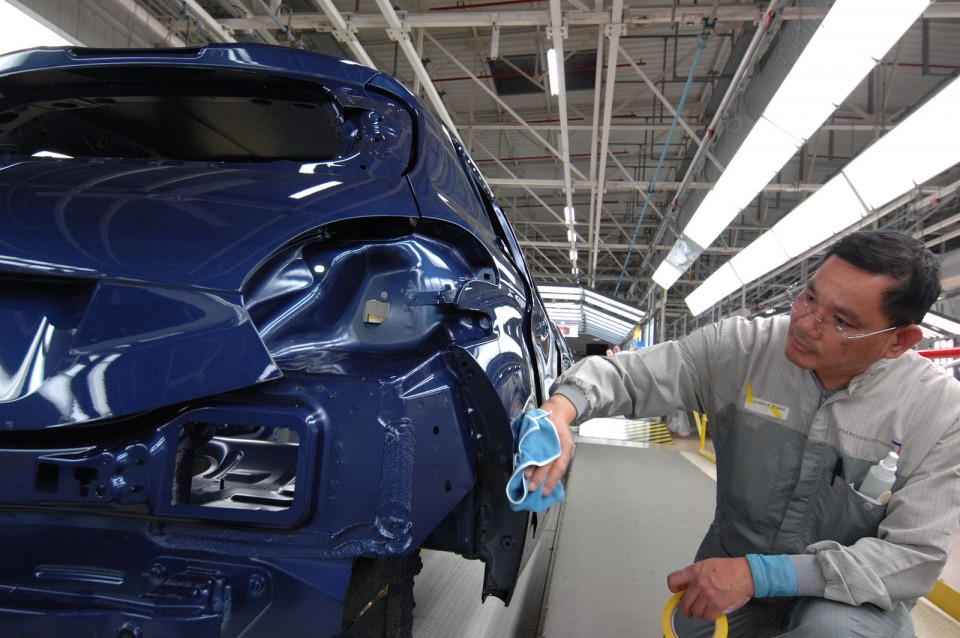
point(880, 175)
point(613, 305)
point(943, 323)
point(916, 150)
point(870, 26)
point(573, 254)
point(563, 311)
point(601, 316)
point(713, 215)
point(765, 150)
point(560, 292)
point(828, 211)
point(848, 43)
point(569, 215)
point(721, 283)
point(552, 72)
point(799, 109)
point(681, 256)
point(759, 258)
point(571, 234)
point(851, 38)
point(666, 275)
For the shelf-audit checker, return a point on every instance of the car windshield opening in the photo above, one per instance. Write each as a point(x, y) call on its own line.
point(168, 114)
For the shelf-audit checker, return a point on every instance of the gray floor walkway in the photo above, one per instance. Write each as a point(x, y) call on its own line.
point(633, 514)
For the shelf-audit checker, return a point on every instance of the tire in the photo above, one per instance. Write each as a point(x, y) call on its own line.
point(379, 600)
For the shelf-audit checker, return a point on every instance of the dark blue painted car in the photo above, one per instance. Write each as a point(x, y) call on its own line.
point(265, 334)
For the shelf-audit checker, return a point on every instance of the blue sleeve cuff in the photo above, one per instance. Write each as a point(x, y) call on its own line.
point(772, 575)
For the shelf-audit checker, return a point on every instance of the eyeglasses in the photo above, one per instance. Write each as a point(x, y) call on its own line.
point(800, 297)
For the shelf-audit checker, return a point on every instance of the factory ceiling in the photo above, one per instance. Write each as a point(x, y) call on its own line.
point(658, 97)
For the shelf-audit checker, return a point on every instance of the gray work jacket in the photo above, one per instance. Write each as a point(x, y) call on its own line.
point(778, 436)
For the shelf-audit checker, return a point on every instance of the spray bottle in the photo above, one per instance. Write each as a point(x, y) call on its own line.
point(880, 477)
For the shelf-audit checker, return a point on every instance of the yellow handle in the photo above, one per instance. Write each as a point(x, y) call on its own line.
point(719, 625)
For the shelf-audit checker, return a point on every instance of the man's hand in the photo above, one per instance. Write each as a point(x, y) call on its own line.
point(714, 587)
point(562, 414)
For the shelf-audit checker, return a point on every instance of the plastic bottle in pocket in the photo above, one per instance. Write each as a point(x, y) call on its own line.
point(880, 477)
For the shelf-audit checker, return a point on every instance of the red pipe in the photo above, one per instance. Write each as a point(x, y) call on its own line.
point(542, 157)
point(945, 353)
point(458, 7)
point(579, 119)
point(494, 76)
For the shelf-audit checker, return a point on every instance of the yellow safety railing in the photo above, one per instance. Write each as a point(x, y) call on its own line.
point(701, 421)
point(946, 598)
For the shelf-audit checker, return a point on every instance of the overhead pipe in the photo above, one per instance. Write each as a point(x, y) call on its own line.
point(619, 184)
point(463, 7)
point(530, 158)
point(701, 45)
point(945, 353)
point(665, 102)
point(749, 59)
point(630, 17)
point(497, 76)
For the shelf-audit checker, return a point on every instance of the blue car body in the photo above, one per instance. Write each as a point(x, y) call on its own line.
point(266, 333)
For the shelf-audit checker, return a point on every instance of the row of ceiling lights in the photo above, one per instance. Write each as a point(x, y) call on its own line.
point(850, 41)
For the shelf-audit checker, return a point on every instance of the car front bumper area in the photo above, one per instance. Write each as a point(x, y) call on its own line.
point(245, 513)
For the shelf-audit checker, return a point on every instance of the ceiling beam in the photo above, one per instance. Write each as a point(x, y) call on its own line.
point(564, 245)
point(210, 23)
point(681, 15)
point(613, 31)
point(557, 31)
point(399, 31)
point(624, 185)
point(496, 98)
point(345, 31)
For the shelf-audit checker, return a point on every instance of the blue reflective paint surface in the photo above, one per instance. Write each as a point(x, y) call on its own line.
point(222, 381)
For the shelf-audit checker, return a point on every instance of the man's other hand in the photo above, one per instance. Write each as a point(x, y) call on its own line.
point(714, 587)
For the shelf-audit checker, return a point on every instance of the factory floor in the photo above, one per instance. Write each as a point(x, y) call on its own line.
point(639, 499)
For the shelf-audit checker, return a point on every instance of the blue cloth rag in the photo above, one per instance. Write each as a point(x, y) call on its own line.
point(537, 444)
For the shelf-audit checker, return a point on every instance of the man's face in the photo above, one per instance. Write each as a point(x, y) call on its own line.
point(840, 295)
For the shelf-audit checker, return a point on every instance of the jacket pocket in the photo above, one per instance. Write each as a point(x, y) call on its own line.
point(842, 514)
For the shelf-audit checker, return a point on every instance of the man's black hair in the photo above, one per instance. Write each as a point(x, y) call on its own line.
point(887, 252)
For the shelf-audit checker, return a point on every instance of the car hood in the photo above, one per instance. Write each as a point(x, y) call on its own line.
point(120, 285)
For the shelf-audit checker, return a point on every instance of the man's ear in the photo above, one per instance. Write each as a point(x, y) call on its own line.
point(906, 338)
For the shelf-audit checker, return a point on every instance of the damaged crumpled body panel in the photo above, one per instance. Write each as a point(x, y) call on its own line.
point(238, 363)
